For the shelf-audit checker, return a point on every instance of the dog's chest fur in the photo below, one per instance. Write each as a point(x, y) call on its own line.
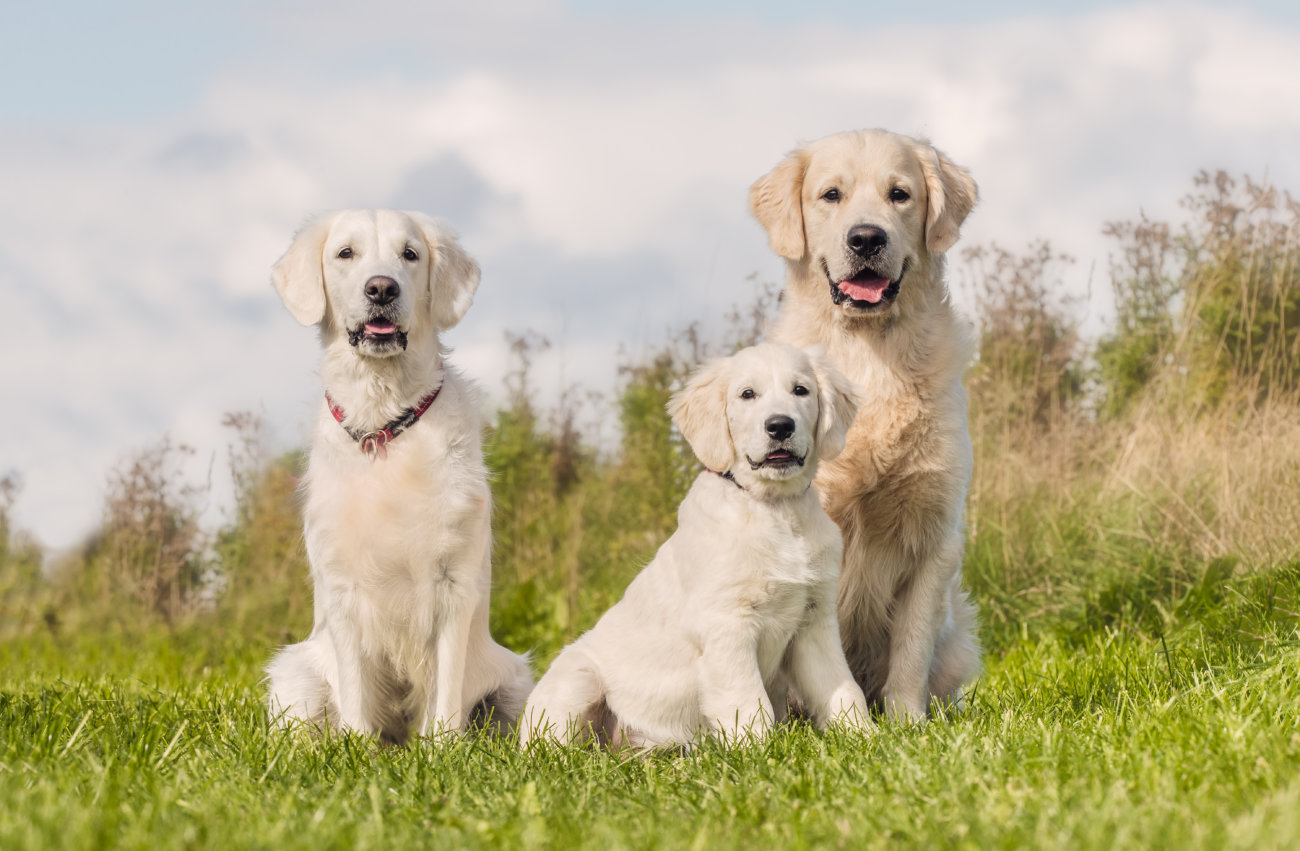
point(908, 446)
point(773, 563)
point(389, 535)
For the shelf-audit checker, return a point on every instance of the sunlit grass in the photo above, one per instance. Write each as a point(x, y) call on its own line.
point(1087, 737)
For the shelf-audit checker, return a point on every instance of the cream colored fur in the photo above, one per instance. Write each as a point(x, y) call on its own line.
point(738, 606)
point(399, 546)
point(899, 488)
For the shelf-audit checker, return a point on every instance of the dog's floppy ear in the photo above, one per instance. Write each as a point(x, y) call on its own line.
point(838, 400)
point(950, 195)
point(453, 274)
point(776, 200)
point(700, 412)
point(299, 276)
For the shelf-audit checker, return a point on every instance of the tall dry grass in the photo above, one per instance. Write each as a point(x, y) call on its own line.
point(1109, 479)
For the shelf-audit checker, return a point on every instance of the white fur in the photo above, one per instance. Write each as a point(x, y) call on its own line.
point(899, 488)
point(399, 546)
point(738, 606)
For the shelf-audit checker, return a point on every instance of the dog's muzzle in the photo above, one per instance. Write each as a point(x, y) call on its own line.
point(867, 290)
point(778, 458)
point(378, 331)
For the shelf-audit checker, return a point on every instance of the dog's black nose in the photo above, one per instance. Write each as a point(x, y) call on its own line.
point(381, 289)
point(866, 240)
point(779, 426)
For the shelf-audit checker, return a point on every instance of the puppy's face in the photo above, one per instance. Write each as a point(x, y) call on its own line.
point(766, 414)
point(862, 210)
point(771, 413)
point(376, 279)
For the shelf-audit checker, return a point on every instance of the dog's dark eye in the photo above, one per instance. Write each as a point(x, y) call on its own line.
point(832, 195)
point(800, 390)
point(898, 196)
point(747, 393)
point(408, 253)
point(345, 253)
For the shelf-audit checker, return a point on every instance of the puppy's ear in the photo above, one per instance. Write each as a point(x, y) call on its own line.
point(776, 200)
point(453, 274)
point(838, 400)
point(950, 195)
point(700, 412)
point(299, 275)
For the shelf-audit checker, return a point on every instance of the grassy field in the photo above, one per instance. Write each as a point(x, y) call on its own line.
point(1087, 739)
point(1134, 548)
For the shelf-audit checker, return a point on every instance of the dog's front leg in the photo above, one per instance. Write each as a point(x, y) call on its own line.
point(918, 612)
point(735, 701)
point(821, 674)
point(449, 683)
point(445, 712)
point(351, 680)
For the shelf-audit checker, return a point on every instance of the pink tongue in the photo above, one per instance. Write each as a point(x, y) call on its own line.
point(380, 327)
point(872, 290)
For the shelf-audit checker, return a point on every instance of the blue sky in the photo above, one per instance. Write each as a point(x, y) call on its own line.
point(88, 61)
point(157, 158)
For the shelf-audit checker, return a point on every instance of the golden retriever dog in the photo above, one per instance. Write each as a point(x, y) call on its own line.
point(397, 509)
point(863, 220)
point(738, 606)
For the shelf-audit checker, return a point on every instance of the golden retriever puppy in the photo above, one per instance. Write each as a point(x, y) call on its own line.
point(863, 220)
point(397, 507)
point(739, 604)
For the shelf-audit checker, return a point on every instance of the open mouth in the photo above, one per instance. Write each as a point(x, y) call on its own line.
point(868, 290)
point(777, 458)
point(379, 332)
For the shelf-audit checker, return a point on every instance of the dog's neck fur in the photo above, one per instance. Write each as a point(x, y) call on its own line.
point(373, 391)
point(767, 491)
point(777, 496)
point(903, 342)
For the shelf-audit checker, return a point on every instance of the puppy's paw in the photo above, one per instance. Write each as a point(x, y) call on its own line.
point(903, 710)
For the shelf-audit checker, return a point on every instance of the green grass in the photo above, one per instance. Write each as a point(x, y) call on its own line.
point(1089, 735)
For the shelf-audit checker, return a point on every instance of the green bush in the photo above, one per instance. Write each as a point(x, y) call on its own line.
point(1208, 315)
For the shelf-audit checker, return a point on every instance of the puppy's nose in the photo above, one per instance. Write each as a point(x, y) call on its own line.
point(382, 289)
point(779, 426)
point(865, 240)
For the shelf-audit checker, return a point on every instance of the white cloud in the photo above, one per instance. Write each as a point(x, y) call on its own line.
point(597, 166)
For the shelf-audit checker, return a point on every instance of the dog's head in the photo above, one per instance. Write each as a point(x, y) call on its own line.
point(376, 278)
point(767, 414)
point(863, 209)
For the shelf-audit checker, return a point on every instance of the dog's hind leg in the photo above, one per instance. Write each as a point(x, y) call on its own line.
point(504, 680)
point(957, 651)
point(568, 704)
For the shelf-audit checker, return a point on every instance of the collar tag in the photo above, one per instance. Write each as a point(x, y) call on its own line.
point(375, 445)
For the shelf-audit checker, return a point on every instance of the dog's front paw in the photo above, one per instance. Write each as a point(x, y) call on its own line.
point(740, 727)
point(901, 709)
point(856, 718)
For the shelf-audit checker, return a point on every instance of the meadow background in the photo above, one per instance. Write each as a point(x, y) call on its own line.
point(1134, 549)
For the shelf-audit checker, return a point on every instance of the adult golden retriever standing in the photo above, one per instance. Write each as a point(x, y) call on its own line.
point(863, 220)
